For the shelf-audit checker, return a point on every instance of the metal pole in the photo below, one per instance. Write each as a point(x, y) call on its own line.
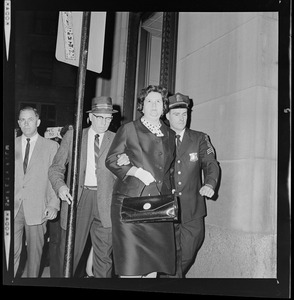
point(71, 221)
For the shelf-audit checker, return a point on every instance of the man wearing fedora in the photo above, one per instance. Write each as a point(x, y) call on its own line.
point(95, 184)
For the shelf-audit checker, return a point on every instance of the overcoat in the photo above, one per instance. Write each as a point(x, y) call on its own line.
point(34, 189)
point(136, 144)
point(142, 248)
point(62, 163)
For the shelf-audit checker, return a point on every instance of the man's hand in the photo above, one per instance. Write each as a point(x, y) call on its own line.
point(206, 191)
point(64, 194)
point(50, 213)
point(122, 160)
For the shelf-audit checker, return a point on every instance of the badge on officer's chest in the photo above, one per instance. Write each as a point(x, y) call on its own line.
point(193, 157)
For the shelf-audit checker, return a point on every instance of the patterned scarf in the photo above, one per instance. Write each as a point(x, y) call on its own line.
point(155, 129)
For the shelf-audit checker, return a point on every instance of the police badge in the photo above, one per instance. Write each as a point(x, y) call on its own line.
point(193, 157)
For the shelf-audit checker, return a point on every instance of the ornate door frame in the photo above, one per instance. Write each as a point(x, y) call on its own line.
point(168, 58)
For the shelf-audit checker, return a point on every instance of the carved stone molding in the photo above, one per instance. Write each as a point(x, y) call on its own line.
point(131, 61)
point(169, 50)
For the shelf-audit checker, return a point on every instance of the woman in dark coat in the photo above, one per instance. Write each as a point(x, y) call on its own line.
point(143, 249)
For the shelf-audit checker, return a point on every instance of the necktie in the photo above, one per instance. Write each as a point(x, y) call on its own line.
point(178, 141)
point(26, 159)
point(96, 148)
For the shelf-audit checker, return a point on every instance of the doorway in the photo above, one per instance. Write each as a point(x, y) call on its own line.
point(151, 56)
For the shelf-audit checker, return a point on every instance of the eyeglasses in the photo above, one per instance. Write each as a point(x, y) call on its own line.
point(101, 118)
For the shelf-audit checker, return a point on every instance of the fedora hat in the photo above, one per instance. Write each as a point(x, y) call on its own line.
point(102, 104)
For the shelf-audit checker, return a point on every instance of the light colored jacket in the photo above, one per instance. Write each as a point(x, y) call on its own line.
point(34, 189)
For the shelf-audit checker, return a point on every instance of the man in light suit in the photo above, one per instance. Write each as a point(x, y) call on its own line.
point(35, 201)
point(95, 185)
point(196, 177)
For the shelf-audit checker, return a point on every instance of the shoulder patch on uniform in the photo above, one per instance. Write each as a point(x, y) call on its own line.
point(210, 148)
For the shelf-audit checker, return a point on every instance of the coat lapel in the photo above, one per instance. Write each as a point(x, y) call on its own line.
point(84, 147)
point(168, 139)
point(168, 143)
point(105, 143)
point(186, 142)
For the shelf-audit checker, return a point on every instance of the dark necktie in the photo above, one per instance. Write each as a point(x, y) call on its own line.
point(26, 159)
point(96, 149)
point(178, 141)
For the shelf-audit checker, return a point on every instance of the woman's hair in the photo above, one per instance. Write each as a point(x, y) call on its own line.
point(153, 88)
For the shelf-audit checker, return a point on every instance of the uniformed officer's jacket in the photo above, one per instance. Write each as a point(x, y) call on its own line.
point(194, 155)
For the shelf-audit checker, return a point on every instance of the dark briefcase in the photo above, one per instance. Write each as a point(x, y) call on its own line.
point(158, 208)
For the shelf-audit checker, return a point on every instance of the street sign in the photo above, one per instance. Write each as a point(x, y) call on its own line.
point(69, 39)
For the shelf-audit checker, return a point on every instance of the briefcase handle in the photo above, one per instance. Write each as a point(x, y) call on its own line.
point(159, 193)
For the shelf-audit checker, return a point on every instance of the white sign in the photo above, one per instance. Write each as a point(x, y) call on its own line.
point(69, 39)
point(53, 132)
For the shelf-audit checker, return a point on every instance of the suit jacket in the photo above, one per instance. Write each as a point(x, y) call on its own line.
point(105, 179)
point(145, 150)
point(195, 155)
point(34, 189)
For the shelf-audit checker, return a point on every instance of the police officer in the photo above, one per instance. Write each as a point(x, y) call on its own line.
point(196, 177)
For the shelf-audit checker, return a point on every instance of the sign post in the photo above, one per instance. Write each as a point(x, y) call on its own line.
point(71, 221)
point(78, 46)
